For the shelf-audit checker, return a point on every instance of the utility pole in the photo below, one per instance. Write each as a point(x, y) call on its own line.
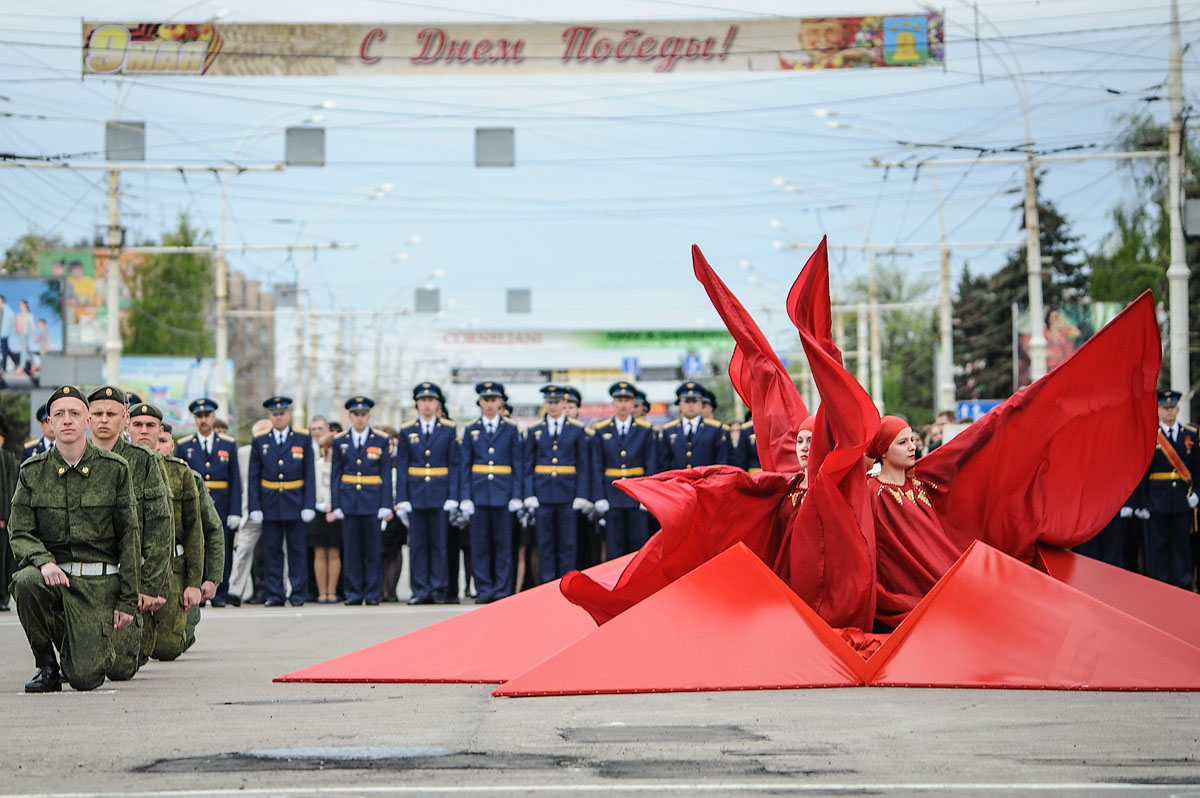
point(1033, 265)
point(1177, 272)
point(876, 350)
point(861, 334)
point(112, 343)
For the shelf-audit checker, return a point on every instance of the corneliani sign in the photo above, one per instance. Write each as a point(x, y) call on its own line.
point(642, 46)
point(585, 339)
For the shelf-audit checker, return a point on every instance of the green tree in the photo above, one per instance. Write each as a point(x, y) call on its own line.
point(22, 256)
point(1132, 259)
point(172, 297)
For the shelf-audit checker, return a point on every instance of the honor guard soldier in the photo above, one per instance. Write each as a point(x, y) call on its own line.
point(108, 412)
point(165, 634)
point(491, 487)
point(557, 479)
point(624, 447)
point(74, 531)
point(690, 440)
point(427, 486)
point(281, 497)
point(745, 454)
point(361, 497)
point(1169, 495)
point(41, 444)
point(213, 456)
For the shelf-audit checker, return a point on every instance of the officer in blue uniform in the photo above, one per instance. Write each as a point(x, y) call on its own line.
point(214, 457)
point(280, 485)
point(427, 486)
point(43, 444)
point(491, 491)
point(691, 440)
point(745, 454)
point(360, 496)
point(1169, 495)
point(557, 479)
point(624, 446)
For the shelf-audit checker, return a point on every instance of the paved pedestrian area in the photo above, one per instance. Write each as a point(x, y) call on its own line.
point(213, 724)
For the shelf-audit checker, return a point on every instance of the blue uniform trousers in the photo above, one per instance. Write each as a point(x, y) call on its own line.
point(1169, 548)
point(276, 535)
point(223, 588)
point(557, 534)
point(492, 552)
point(625, 530)
point(362, 557)
point(1109, 543)
point(427, 553)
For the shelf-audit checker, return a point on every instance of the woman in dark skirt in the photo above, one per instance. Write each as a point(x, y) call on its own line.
point(325, 531)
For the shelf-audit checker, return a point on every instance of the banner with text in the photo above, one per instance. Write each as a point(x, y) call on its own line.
point(644, 46)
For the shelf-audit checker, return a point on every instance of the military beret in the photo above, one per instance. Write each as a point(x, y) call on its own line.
point(622, 388)
point(689, 390)
point(553, 393)
point(167, 427)
point(277, 404)
point(202, 405)
point(1168, 397)
point(65, 392)
point(110, 392)
point(143, 409)
point(428, 389)
point(359, 403)
point(574, 396)
point(42, 413)
point(489, 388)
point(132, 398)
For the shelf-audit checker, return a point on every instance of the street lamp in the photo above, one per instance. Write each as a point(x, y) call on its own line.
point(944, 395)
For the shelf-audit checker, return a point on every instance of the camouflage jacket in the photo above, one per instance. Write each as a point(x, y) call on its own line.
point(214, 532)
point(185, 508)
point(154, 513)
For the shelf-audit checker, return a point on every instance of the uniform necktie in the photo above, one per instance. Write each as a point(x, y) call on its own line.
point(691, 427)
point(207, 448)
point(427, 429)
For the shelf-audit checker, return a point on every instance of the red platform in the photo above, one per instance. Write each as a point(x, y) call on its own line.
point(488, 645)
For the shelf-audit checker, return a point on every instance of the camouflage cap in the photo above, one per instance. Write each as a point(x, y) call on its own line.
point(65, 392)
point(110, 392)
point(144, 409)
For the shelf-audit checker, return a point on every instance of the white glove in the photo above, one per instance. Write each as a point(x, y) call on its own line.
point(307, 515)
point(602, 506)
point(256, 516)
point(514, 505)
point(1193, 500)
point(404, 508)
point(580, 503)
point(450, 506)
point(642, 507)
point(532, 502)
point(1142, 513)
point(339, 515)
point(1126, 512)
point(467, 508)
point(385, 514)
point(233, 521)
point(322, 507)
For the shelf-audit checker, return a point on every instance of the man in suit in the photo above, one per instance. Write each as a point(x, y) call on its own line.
point(491, 482)
point(282, 497)
point(1169, 495)
point(213, 456)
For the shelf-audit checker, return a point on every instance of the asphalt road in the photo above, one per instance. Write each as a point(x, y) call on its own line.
point(213, 724)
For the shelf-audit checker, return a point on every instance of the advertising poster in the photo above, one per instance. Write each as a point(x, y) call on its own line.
point(1067, 327)
point(171, 383)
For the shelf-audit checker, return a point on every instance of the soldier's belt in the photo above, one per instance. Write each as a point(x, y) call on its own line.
point(292, 485)
point(420, 471)
point(216, 484)
point(491, 469)
point(1172, 475)
point(358, 479)
point(89, 568)
point(554, 469)
point(753, 470)
point(618, 473)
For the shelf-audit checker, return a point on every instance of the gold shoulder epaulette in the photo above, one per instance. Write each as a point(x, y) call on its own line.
point(449, 422)
point(574, 422)
point(300, 430)
point(670, 424)
point(712, 422)
point(604, 422)
point(225, 437)
point(33, 442)
point(405, 425)
point(1192, 427)
point(641, 422)
point(748, 425)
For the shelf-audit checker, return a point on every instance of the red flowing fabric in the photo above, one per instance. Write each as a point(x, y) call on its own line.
point(757, 375)
point(1052, 463)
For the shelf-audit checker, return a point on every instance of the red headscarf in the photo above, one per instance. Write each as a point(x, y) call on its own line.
point(807, 424)
point(889, 428)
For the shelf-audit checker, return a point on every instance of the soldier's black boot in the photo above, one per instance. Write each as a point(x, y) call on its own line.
point(48, 679)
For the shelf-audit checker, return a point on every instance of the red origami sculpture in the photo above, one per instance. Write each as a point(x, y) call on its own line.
point(752, 584)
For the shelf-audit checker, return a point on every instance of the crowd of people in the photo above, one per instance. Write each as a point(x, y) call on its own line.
point(323, 514)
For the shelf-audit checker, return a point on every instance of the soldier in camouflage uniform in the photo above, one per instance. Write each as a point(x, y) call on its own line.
point(108, 411)
point(214, 537)
point(187, 566)
point(74, 530)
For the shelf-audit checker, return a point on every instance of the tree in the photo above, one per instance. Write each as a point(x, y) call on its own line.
point(22, 256)
point(172, 297)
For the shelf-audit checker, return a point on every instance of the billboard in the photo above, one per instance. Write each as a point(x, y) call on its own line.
point(489, 49)
point(1067, 327)
point(171, 383)
point(84, 274)
point(31, 322)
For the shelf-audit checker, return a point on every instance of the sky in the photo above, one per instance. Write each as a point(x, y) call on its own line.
point(615, 176)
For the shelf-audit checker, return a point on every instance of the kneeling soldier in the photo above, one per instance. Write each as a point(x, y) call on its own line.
point(74, 530)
